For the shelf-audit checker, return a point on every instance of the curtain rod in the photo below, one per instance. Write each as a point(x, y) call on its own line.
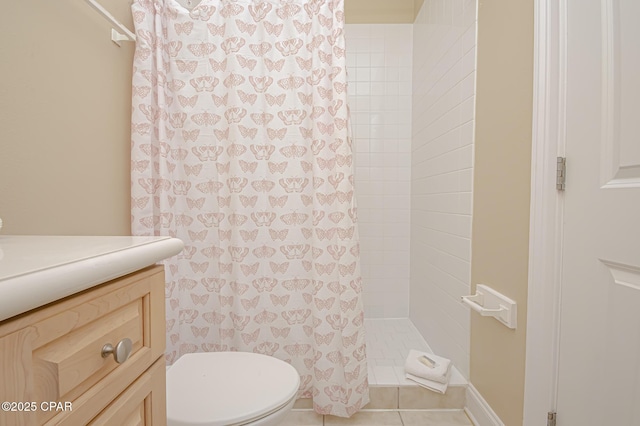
point(116, 36)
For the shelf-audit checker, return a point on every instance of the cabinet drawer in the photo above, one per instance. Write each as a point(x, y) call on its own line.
point(54, 353)
point(65, 363)
point(143, 403)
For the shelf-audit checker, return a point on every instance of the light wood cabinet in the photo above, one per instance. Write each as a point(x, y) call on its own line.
point(52, 356)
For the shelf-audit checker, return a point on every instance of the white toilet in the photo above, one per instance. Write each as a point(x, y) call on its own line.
point(230, 388)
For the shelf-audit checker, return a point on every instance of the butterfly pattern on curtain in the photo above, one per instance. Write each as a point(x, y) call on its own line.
point(241, 148)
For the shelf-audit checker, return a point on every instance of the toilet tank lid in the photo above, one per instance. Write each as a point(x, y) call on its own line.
point(222, 388)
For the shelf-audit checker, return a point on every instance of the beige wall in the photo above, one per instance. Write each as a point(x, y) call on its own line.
point(64, 119)
point(501, 197)
point(380, 11)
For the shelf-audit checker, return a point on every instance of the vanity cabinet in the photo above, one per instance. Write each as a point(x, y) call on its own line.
point(52, 364)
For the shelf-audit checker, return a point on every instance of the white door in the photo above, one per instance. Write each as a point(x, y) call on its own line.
point(599, 364)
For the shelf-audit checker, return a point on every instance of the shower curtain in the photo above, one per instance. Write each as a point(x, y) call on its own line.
point(241, 148)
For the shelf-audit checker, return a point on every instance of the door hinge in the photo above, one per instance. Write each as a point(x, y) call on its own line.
point(561, 173)
point(551, 418)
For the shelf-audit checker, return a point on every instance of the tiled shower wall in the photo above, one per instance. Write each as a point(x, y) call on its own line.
point(442, 174)
point(379, 62)
point(412, 95)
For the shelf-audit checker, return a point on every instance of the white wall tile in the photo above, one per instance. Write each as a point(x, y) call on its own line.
point(412, 101)
point(379, 61)
point(441, 174)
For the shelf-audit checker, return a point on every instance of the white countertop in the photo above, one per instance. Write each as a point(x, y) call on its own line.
point(36, 270)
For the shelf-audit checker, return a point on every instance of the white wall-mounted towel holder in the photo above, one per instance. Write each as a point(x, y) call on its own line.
point(489, 303)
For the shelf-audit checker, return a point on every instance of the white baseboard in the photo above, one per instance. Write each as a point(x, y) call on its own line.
point(479, 411)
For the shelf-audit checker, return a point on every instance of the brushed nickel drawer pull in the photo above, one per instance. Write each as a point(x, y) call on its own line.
point(121, 352)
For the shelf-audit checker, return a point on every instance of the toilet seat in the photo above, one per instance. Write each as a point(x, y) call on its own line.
point(228, 388)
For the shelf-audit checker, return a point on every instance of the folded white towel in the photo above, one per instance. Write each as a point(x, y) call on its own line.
point(429, 384)
point(439, 373)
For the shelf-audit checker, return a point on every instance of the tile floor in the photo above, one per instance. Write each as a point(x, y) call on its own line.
point(381, 418)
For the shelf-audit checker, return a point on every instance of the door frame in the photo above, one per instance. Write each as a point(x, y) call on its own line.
point(547, 203)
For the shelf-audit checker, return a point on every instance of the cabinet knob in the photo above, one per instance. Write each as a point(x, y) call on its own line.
point(121, 351)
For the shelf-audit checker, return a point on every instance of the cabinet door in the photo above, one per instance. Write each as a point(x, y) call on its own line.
point(142, 403)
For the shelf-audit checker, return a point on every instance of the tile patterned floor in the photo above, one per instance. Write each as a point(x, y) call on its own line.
point(388, 344)
point(381, 418)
